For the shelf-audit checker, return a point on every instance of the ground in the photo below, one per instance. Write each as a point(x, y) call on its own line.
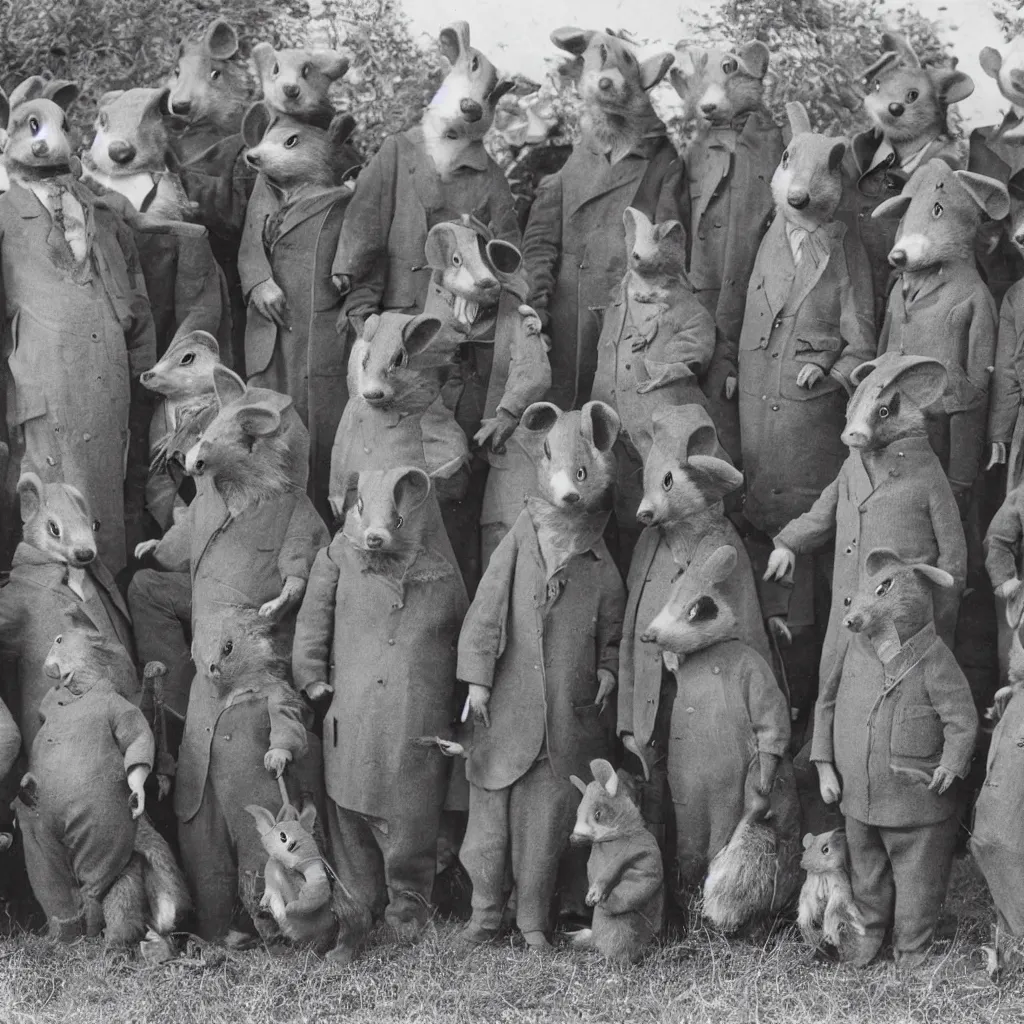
point(696, 979)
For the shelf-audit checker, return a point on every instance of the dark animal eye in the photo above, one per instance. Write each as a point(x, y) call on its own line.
point(597, 814)
point(937, 211)
point(96, 526)
point(188, 359)
point(912, 95)
point(729, 66)
point(581, 474)
point(604, 54)
point(214, 74)
point(824, 849)
point(702, 610)
point(547, 450)
point(456, 259)
point(103, 121)
point(277, 69)
point(401, 359)
point(474, 64)
point(399, 522)
point(53, 528)
point(883, 413)
point(59, 640)
point(33, 125)
point(883, 587)
point(305, 71)
point(291, 142)
point(227, 648)
point(667, 481)
point(284, 836)
point(785, 159)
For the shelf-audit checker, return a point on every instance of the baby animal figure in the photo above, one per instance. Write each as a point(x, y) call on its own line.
point(828, 911)
point(627, 885)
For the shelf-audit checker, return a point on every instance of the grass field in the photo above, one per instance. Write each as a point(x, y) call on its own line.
point(694, 979)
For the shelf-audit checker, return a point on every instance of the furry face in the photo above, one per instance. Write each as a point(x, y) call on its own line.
point(130, 134)
point(808, 183)
point(297, 82)
point(607, 810)
point(465, 262)
point(286, 839)
point(38, 138)
point(240, 653)
point(81, 658)
point(186, 369)
point(382, 509)
point(210, 83)
point(720, 85)
point(654, 252)
point(57, 521)
point(1007, 68)
point(825, 852)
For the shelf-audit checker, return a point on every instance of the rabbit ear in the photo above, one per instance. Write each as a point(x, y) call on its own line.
point(991, 61)
point(599, 424)
point(30, 495)
point(419, 332)
point(454, 41)
point(753, 58)
point(441, 243)
point(331, 64)
point(255, 124)
point(411, 488)
point(578, 783)
point(260, 419)
point(654, 69)
point(836, 155)
point(265, 821)
point(935, 576)
point(719, 567)
point(799, 119)
point(881, 559)
point(990, 195)
point(895, 206)
point(572, 40)
point(604, 773)
point(808, 841)
point(307, 818)
point(893, 42)
point(227, 385)
point(221, 40)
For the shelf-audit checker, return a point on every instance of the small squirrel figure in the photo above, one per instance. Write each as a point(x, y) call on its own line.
point(827, 910)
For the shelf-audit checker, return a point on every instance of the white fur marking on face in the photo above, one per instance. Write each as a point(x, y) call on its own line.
point(715, 94)
point(916, 247)
point(561, 485)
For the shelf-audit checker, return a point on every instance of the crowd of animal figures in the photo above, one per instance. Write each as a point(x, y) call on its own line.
point(694, 472)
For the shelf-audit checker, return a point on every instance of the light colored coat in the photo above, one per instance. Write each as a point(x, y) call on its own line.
point(1005, 422)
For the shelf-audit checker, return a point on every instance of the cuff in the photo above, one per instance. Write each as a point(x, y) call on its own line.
point(476, 668)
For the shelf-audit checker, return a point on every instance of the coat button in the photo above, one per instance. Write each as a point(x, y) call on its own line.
point(776, 490)
point(764, 398)
point(227, 736)
point(94, 336)
point(775, 408)
point(380, 682)
point(87, 436)
point(51, 461)
point(847, 602)
point(690, 711)
point(391, 642)
point(650, 700)
point(849, 551)
point(627, 366)
point(775, 355)
point(716, 670)
point(900, 455)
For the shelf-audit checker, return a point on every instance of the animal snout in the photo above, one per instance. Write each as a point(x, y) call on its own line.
point(896, 109)
point(898, 257)
point(121, 152)
point(579, 838)
point(645, 515)
point(214, 669)
point(605, 84)
point(146, 377)
point(291, 91)
point(855, 439)
point(375, 396)
point(83, 556)
point(471, 110)
point(571, 497)
point(1017, 79)
point(707, 109)
point(51, 669)
point(374, 540)
point(40, 148)
point(648, 637)
point(854, 622)
point(799, 199)
point(252, 158)
point(182, 107)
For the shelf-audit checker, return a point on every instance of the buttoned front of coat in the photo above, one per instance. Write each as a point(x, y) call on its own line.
point(816, 312)
point(537, 642)
point(909, 509)
point(888, 726)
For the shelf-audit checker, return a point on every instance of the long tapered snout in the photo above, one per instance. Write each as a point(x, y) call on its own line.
point(898, 256)
point(854, 622)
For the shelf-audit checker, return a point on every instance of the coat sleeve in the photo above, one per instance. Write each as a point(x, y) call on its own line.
point(822, 746)
point(485, 629)
point(287, 722)
point(950, 694)
point(197, 288)
point(627, 667)
point(253, 265)
point(314, 627)
point(816, 526)
point(174, 550)
point(529, 372)
point(504, 223)
point(1003, 543)
point(132, 734)
point(856, 312)
point(10, 741)
point(1006, 391)
point(542, 245)
point(766, 704)
point(952, 545)
point(221, 199)
point(883, 334)
point(688, 348)
point(140, 334)
point(305, 536)
point(12, 618)
point(967, 424)
point(609, 624)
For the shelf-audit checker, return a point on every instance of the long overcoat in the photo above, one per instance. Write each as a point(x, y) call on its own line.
point(388, 648)
point(75, 342)
point(872, 174)
point(399, 197)
point(307, 360)
point(729, 169)
point(537, 642)
point(574, 248)
point(33, 610)
point(909, 509)
point(887, 727)
point(1005, 422)
point(818, 311)
point(10, 741)
point(950, 317)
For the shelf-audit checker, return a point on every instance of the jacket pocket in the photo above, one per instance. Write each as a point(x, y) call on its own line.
point(917, 733)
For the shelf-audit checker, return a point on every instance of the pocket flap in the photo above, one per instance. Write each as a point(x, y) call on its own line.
point(917, 732)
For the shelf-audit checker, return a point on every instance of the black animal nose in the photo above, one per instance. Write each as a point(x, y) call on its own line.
point(121, 152)
point(213, 668)
point(708, 108)
point(183, 107)
point(374, 396)
point(647, 638)
point(291, 91)
point(799, 200)
point(604, 83)
point(896, 109)
point(84, 555)
point(252, 158)
point(374, 540)
point(898, 258)
point(199, 466)
point(146, 377)
point(571, 498)
point(645, 516)
point(471, 110)
point(40, 148)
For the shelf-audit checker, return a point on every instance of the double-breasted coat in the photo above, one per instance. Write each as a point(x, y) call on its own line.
point(729, 169)
point(896, 498)
point(536, 642)
point(1005, 422)
point(388, 648)
point(574, 248)
point(307, 360)
point(817, 311)
point(76, 338)
point(950, 316)
point(34, 604)
point(887, 727)
point(399, 197)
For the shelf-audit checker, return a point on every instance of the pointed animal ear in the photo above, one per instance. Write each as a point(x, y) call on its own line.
point(259, 419)
point(895, 206)
point(882, 559)
point(331, 64)
point(221, 40)
point(30, 495)
point(255, 123)
point(599, 424)
point(504, 256)
point(61, 92)
point(668, 227)
point(572, 40)
point(604, 773)
point(924, 382)
point(720, 565)
point(654, 69)
point(263, 56)
point(952, 86)
point(454, 41)
point(108, 97)
point(723, 477)
point(410, 490)
point(540, 417)
point(991, 61)
point(872, 71)
point(990, 195)
point(799, 120)
point(501, 87)
point(631, 221)
point(265, 821)
point(419, 332)
point(158, 102)
point(935, 576)
point(893, 42)
point(32, 88)
point(836, 155)
point(340, 130)
point(753, 58)
point(227, 385)
point(859, 373)
point(201, 338)
point(808, 841)
point(440, 245)
point(578, 783)
point(307, 818)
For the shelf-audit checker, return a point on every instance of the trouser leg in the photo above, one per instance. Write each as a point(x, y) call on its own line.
point(874, 887)
point(484, 853)
point(359, 864)
point(51, 876)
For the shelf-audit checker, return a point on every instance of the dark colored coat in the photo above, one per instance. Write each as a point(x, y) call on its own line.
point(389, 651)
point(816, 311)
point(75, 343)
point(870, 183)
point(910, 510)
point(951, 318)
point(887, 727)
point(33, 610)
point(730, 170)
point(1003, 540)
point(651, 574)
point(1005, 423)
point(399, 197)
point(307, 360)
point(537, 644)
point(574, 248)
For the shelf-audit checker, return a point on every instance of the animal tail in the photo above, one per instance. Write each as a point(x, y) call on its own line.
point(741, 879)
point(124, 906)
point(165, 889)
point(583, 938)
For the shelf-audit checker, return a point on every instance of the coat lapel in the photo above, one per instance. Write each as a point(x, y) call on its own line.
point(717, 163)
point(809, 270)
point(103, 579)
point(600, 177)
point(860, 482)
point(779, 269)
point(303, 210)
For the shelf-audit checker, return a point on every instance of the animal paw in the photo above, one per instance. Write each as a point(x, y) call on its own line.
point(780, 630)
point(289, 598)
point(809, 376)
point(154, 670)
point(276, 760)
point(156, 949)
point(594, 895)
point(28, 789)
point(315, 691)
point(145, 548)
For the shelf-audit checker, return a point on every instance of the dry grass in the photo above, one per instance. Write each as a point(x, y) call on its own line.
point(698, 979)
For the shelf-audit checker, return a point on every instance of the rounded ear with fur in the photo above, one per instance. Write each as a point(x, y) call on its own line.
point(895, 206)
point(861, 372)
point(158, 101)
point(307, 818)
point(410, 489)
point(990, 195)
point(227, 385)
point(572, 40)
point(501, 87)
point(203, 338)
point(265, 821)
point(836, 156)
point(719, 477)
point(419, 332)
point(258, 419)
point(579, 784)
point(604, 773)
point(504, 257)
point(720, 564)
point(991, 61)
point(453, 40)
point(221, 40)
point(935, 576)
point(799, 119)
point(540, 417)
point(32, 88)
point(952, 86)
point(924, 382)
point(808, 841)
point(340, 130)
point(440, 245)
point(332, 64)
point(753, 58)
point(882, 559)
point(30, 495)
point(668, 227)
point(255, 123)
point(600, 425)
point(263, 56)
point(61, 92)
point(893, 42)
point(654, 69)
